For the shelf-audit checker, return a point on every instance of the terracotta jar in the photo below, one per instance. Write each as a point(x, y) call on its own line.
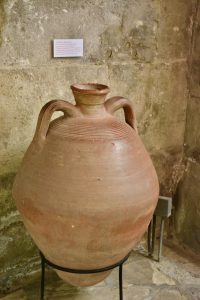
point(87, 187)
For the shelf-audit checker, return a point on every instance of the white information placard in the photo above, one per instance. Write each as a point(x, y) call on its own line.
point(68, 47)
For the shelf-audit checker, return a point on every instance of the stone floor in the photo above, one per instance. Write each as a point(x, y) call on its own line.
point(176, 277)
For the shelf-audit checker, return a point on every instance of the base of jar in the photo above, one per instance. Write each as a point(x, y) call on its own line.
point(83, 279)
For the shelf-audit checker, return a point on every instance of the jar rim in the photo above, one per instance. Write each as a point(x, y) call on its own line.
point(90, 88)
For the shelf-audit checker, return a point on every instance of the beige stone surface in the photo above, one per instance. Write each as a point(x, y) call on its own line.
point(192, 136)
point(159, 94)
point(188, 206)
point(17, 295)
point(119, 30)
point(177, 21)
point(160, 278)
point(187, 203)
point(167, 294)
point(194, 57)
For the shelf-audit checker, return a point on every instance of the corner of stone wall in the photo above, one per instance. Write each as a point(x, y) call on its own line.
point(187, 204)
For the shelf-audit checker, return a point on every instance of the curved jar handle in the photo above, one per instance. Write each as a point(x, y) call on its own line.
point(115, 103)
point(46, 113)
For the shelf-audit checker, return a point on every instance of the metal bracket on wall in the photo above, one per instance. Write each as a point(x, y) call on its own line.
point(163, 210)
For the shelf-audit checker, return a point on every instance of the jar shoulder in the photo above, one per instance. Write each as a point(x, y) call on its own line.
point(108, 127)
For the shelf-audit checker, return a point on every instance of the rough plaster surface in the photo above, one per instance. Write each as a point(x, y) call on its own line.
point(188, 193)
point(192, 134)
point(188, 206)
point(195, 58)
point(138, 48)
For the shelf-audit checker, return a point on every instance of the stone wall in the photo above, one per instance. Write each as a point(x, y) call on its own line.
point(188, 193)
point(138, 48)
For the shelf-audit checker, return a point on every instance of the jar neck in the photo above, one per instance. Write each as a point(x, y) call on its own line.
point(90, 102)
point(92, 110)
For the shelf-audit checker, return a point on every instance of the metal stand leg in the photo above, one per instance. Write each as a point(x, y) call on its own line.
point(161, 238)
point(151, 236)
point(42, 283)
point(121, 282)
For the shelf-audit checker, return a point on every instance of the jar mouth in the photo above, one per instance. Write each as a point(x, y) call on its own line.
point(90, 88)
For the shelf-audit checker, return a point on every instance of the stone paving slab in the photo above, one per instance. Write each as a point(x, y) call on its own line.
point(15, 296)
point(167, 294)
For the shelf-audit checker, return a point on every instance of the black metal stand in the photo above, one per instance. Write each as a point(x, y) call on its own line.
point(151, 237)
point(45, 262)
point(163, 210)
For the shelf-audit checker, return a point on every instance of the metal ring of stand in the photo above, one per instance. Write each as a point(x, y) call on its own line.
point(45, 262)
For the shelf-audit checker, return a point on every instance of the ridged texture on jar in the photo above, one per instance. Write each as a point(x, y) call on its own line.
point(88, 194)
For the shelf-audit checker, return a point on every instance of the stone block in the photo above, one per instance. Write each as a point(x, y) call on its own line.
point(194, 78)
point(188, 207)
point(159, 95)
point(192, 134)
point(175, 28)
point(169, 294)
point(195, 59)
point(134, 37)
point(119, 30)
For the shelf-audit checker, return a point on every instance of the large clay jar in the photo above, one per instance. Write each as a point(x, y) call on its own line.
point(87, 187)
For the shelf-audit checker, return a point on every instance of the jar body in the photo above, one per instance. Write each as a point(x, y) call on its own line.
point(87, 195)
